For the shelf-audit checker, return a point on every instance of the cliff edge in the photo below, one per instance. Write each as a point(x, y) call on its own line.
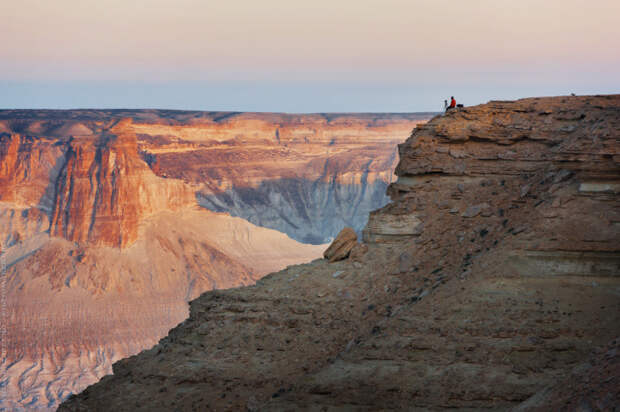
point(492, 275)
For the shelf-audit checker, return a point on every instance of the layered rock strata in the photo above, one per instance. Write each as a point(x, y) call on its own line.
point(102, 242)
point(99, 257)
point(305, 175)
point(492, 276)
point(104, 188)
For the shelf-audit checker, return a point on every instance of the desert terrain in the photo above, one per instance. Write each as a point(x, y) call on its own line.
point(489, 282)
point(106, 232)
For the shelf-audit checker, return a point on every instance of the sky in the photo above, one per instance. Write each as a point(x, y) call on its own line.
point(303, 56)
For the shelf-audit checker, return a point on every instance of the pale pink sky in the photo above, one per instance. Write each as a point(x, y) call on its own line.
point(305, 46)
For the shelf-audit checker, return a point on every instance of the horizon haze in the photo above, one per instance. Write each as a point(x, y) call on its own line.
point(277, 56)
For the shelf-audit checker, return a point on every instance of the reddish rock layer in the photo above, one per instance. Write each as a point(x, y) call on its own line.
point(305, 175)
point(104, 189)
point(100, 255)
point(27, 165)
point(338, 147)
point(194, 145)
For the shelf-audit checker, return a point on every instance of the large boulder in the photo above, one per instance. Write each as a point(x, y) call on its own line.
point(341, 246)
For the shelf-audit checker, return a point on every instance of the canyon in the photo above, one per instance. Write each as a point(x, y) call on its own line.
point(490, 281)
point(305, 175)
point(112, 220)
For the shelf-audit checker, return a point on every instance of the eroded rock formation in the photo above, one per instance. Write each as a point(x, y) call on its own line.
point(305, 175)
point(27, 165)
point(104, 189)
point(492, 275)
point(342, 246)
point(100, 255)
point(103, 242)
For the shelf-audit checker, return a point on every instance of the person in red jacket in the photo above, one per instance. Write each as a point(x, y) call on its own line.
point(451, 106)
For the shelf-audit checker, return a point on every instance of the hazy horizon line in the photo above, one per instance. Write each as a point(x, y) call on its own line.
point(120, 108)
point(205, 111)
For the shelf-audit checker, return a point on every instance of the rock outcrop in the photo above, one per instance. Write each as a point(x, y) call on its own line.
point(491, 276)
point(27, 165)
point(342, 246)
point(104, 189)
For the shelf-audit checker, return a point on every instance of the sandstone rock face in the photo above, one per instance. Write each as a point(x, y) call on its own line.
point(27, 166)
point(99, 256)
point(390, 227)
point(342, 246)
point(305, 175)
point(104, 189)
point(509, 285)
point(591, 386)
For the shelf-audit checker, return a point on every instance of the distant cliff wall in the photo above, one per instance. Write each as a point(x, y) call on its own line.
point(308, 211)
point(104, 189)
point(305, 175)
point(99, 255)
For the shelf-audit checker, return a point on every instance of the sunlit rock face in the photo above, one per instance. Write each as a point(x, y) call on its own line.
point(104, 189)
point(28, 167)
point(103, 241)
point(305, 175)
point(489, 282)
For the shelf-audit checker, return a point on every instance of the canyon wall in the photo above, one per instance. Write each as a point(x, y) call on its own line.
point(310, 211)
point(305, 175)
point(489, 282)
point(104, 189)
point(103, 242)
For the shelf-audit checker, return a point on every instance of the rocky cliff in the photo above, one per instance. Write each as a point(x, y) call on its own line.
point(490, 279)
point(27, 165)
point(102, 241)
point(99, 257)
point(104, 189)
point(305, 175)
